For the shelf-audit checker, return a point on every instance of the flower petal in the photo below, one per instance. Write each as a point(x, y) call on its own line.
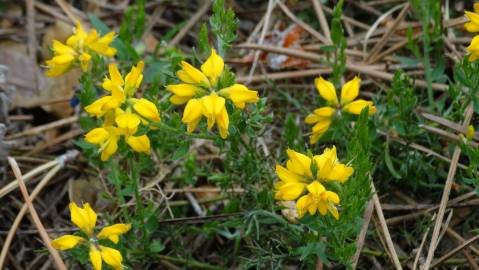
point(212, 107)
point(473, 24)
point(192, 113)
point(147, 109)
point(95, 257)
point(287, 175)
point(183, 89)
point(84, 218)
point(303, 204)
point(326, 112)
point(139, 144)
point(129, 121)
point(357, 106)
point(192, 75)
point(350, 90)
point(289, 190)
point(316, 189)
point(340, 173)
point(298, 163)
point(213, 67)
point(97, 136)
point(326, 90)
point(115, 75)
point(111, 257)
point(66, 242)
point(240, 95)
point(113, 230)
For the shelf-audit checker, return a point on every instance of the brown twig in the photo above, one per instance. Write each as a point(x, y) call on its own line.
point(318, 8)
point(191, 22)
point(38, 129)
point(374, 51)
point(302, 24)
point(23, 211)
point(36, 219)
point(384, 228)
point(446, 192)
point(362, 234)
point(454, 251)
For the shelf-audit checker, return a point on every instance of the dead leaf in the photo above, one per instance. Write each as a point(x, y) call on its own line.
point(150, 42)
point(22, 74)
point(59, 31)
point(87, 190)
point(289, 211)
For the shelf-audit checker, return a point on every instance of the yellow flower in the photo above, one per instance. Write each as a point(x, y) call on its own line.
point(473, 19)
point(198, 91)
point(299, 172)
point(122, 91)
point(108, 135)
point(107, 138)
point(470, 132)
point(318, 199)
point(78, 50)
point(473, 48)
point(215, 112)
point(85, 219)
point(240, 95)
point(322, 117)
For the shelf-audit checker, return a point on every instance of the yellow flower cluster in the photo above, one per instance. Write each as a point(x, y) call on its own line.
point(311, 173)
point(78, 50)
point(199, 90)
point(323, 117)
point(473, 26)
point(122, 113)
point(85, 219)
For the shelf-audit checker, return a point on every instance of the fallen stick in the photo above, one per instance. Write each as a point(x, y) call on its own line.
point(36, 219)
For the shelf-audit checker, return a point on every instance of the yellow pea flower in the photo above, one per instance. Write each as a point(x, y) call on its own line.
point(240, 95)
point(298, 172)
point(473, 19)
point(199, 91)
point(78, 50)
point(122, 90)
point(318, 200)
point(192, 114)
point(107, 138)
point(473, 49)
point(108, 135)
point(146, 109)
point(322, 117)
point(215, 112)
point(139, 144)
point(470, 132)
point(85, 219)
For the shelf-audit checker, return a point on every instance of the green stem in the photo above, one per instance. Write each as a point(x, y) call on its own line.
point(135, 176)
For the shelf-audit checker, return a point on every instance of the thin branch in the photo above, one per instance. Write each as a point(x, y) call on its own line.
point(36, 219)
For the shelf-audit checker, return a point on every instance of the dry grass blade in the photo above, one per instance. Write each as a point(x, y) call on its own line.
point(446, 192)
point(191, 22)
point(362, 234)
point(23, 211)
point(454, 251)
point(38, 129)
point(374, 51)
point(384, 227)
point(318, 8)
point(41, 230)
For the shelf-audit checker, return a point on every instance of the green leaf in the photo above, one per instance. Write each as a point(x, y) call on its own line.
point(156, 246)
point(389, 163)
point(313, 249)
